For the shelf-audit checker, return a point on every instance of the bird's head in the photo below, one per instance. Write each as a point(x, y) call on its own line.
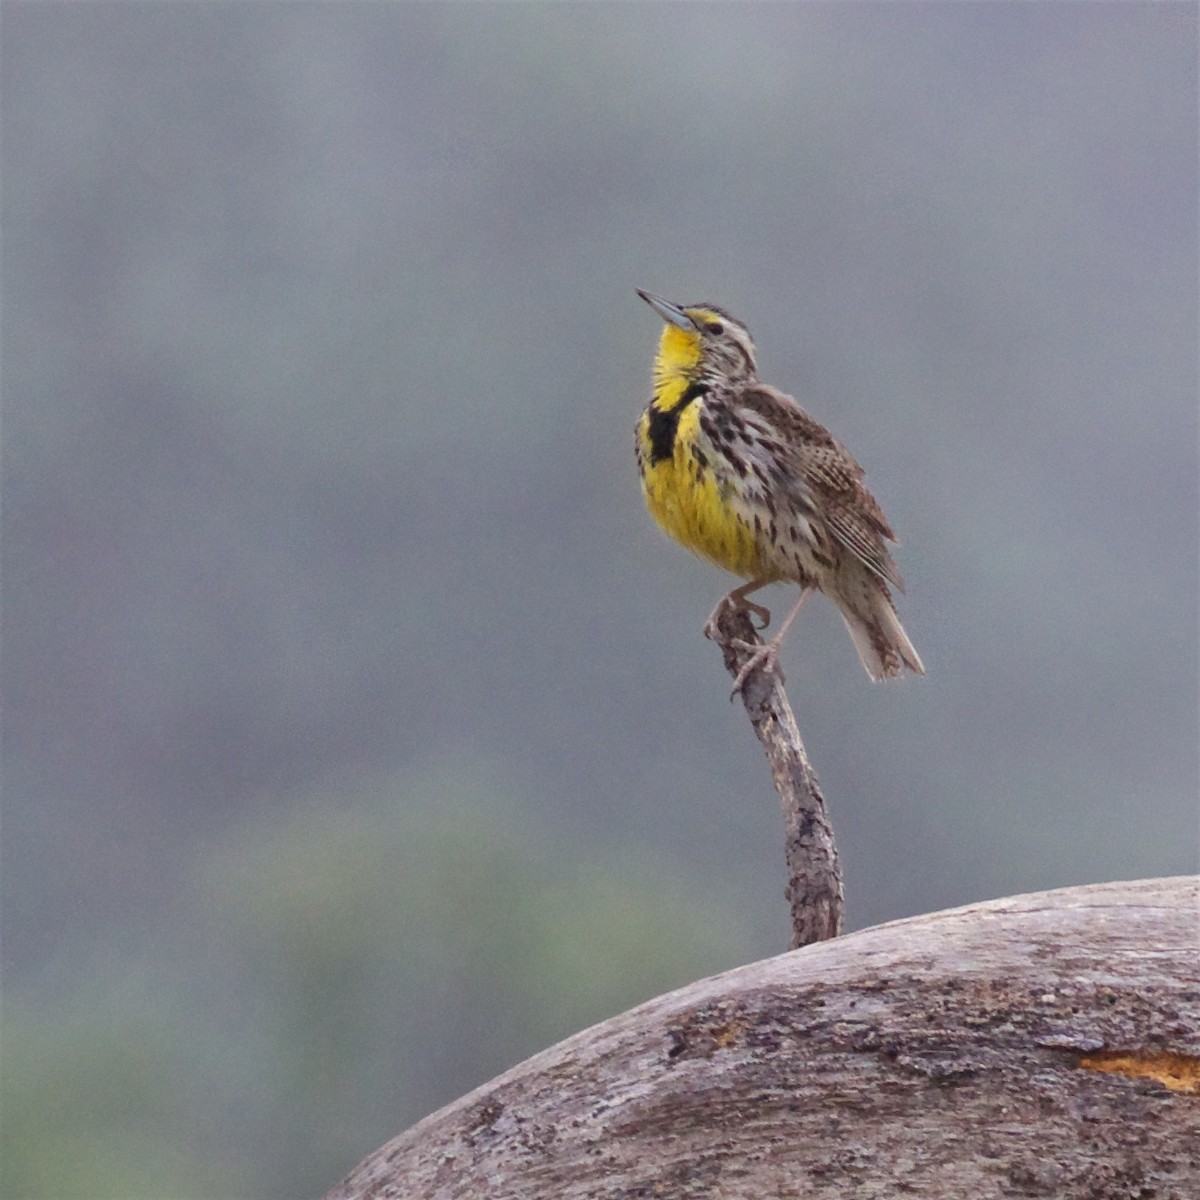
point(701, 342)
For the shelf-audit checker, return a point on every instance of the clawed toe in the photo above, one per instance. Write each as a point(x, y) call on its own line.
point(764, 658)
point(736, 603)
point(757, 610)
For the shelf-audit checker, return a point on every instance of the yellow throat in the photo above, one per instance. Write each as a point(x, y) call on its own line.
point(676, 361)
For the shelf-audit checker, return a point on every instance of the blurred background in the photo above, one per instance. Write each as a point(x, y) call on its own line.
point(360, 736)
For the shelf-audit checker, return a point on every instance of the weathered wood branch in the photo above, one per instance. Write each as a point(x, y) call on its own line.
point(814, 888)
point(1038, 1046)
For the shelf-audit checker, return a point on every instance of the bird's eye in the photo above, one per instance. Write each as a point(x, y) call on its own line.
point(714, 327)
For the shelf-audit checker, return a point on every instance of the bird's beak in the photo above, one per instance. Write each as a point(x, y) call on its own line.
point(669, 312)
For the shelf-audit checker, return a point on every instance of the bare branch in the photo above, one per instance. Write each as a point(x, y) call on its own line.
point(814, 888)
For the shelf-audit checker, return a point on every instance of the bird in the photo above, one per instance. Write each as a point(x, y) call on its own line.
point(740, 474)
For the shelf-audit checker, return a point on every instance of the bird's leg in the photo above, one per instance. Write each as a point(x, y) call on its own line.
point(767, 655)
point(737, 599)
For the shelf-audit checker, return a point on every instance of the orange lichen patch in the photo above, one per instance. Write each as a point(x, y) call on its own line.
point(726, 1035)
point(1179, 1072)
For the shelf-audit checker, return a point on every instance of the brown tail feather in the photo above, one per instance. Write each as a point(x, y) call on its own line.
point(882, 644)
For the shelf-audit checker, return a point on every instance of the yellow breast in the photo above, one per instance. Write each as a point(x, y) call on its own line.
point(692, 501)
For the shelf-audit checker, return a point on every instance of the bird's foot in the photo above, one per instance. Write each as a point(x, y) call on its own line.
point(763, 657)
point(757, 610)
point(736, 603)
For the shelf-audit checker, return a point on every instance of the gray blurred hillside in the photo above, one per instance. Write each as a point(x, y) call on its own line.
point(360, 736)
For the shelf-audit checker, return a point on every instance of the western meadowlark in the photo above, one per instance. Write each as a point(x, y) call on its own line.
point(740, 474)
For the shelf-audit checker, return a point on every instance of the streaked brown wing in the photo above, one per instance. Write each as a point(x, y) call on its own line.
point(831, 474)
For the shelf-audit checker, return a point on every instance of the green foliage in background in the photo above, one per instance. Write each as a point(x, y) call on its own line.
point(341, 972)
